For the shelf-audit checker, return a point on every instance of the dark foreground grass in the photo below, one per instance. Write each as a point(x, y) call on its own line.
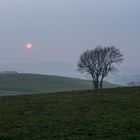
point(110, 114)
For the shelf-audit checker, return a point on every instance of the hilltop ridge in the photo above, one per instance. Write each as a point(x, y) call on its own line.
point(21, 83)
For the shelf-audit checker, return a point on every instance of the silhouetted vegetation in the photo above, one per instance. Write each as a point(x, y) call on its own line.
point(99, 63)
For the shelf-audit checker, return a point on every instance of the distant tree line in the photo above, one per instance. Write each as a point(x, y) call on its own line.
point(8, 72)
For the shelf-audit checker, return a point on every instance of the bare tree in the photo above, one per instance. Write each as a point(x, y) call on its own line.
point(99, 63)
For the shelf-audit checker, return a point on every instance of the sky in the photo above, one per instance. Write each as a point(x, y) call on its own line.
point(60, 30)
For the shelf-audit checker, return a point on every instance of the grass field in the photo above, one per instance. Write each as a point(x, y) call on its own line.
point(34, 83)
point(109, 114)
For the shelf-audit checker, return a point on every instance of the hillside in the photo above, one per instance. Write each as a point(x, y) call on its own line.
point(34, 83)
point(109, 114)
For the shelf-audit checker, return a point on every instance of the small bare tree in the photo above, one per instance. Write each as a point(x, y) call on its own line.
point(99, 63)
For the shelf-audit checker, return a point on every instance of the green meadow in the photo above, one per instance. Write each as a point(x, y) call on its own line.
point(16, 84)
point(108, 114)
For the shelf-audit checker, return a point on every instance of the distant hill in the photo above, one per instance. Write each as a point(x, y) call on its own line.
point(134, 83)
point(131, 80)
point(11, 84)
point(52, 68)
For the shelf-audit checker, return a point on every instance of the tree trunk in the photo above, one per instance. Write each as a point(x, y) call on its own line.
point(95, 82)
point(101, 83)
point(96, 85)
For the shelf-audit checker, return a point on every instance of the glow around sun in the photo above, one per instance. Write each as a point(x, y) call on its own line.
point(29, 45)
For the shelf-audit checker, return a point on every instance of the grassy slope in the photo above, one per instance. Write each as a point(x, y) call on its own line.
point(110, 114)
point(34, 83)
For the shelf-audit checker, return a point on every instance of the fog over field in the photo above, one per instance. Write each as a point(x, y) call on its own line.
point(60, 30)
point(69, 69)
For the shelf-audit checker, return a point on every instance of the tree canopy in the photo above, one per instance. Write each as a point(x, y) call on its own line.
point(99, 62)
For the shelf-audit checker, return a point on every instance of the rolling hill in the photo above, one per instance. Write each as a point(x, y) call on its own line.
point(11, 84)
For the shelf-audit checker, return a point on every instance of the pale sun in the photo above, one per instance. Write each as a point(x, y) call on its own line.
point(29, 45)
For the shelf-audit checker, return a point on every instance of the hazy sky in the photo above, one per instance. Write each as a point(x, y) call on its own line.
point(60, 30)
